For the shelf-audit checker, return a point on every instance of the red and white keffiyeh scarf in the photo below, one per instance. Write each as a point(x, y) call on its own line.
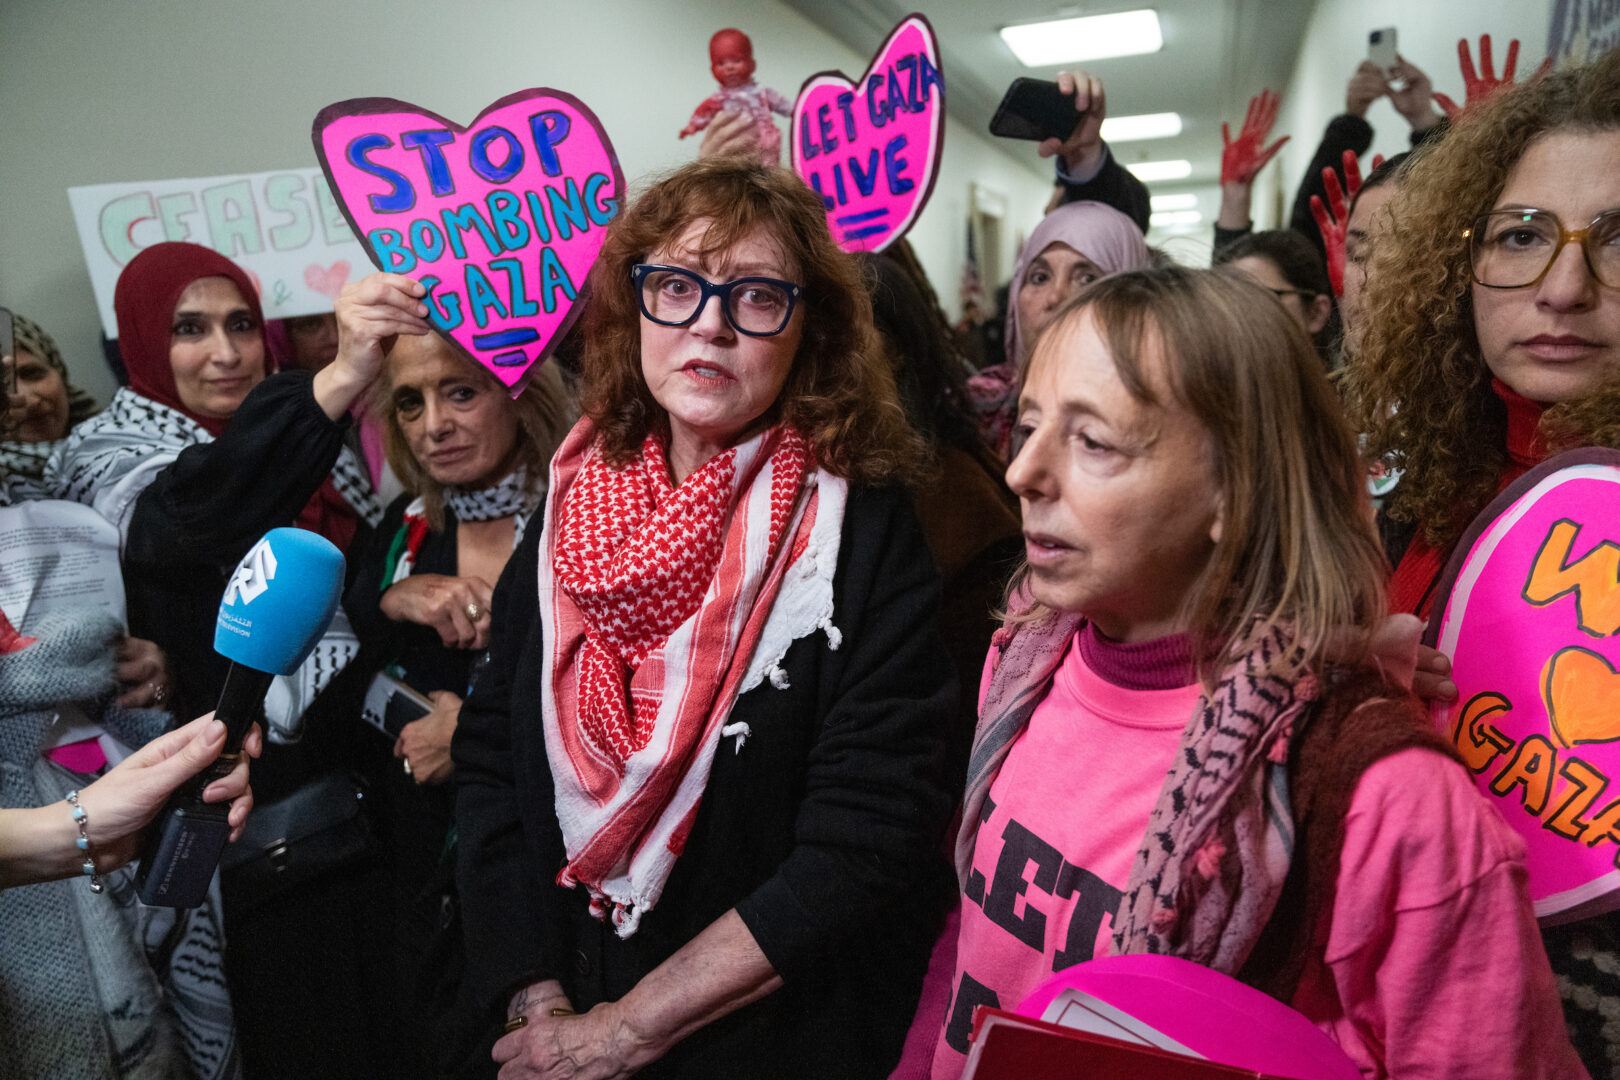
point(655, 600)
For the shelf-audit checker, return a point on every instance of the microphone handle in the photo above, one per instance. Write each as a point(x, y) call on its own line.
point(189, 835)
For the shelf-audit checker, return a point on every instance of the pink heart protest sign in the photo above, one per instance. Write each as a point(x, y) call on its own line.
point(871, 150)
point(1528, 610)
point(501, 219)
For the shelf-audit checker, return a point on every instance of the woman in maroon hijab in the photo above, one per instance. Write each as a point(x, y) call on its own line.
point(206, 449)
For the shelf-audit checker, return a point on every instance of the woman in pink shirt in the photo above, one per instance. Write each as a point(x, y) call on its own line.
point(1186, 744)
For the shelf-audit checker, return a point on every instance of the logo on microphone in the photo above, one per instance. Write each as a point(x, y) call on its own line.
point(253, 575)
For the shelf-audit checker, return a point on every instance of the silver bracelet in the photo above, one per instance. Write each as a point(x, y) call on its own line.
point(89, 867)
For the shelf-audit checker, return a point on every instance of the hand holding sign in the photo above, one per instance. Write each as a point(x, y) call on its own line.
point(499, 220)
point(871, 151)
point(371, 313)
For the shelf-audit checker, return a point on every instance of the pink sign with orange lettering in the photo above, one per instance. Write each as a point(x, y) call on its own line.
point(1528, 610)
point(871, 149)
point(501, 219)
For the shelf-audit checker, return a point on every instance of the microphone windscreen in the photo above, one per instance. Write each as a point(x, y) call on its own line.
point(279, 601)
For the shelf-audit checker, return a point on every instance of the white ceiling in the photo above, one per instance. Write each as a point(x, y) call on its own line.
point(1216, 54)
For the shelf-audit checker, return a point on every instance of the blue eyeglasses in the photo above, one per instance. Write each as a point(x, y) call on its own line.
point(675, 296)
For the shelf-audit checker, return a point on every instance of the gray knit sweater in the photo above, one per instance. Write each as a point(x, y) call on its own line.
point(91, 985)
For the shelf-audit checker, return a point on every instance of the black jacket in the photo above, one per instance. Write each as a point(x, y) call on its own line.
point(193, 524)
point(1116, 186)
point(824, 832)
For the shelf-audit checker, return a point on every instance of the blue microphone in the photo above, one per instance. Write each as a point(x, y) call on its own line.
point(278, 603)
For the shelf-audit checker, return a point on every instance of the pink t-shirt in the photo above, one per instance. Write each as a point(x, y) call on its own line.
point(1430, 964)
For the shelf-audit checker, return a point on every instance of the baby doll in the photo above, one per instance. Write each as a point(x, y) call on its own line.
point(731, 59)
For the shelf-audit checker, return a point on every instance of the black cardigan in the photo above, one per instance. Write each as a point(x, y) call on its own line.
point(199, 517)
point(824, 832)
point(428, 664)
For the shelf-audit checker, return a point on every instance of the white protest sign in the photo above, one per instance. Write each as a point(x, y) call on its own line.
point(57, 556)
point(284, 228)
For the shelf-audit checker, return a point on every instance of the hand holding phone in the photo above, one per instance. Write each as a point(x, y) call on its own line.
point(1035, 109)
point(1383, 50)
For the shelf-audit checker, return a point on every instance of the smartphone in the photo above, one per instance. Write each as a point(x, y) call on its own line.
point(1382, 50)
point(1035, 109)
point(390, 704)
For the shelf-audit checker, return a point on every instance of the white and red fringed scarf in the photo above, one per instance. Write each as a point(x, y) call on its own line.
point(660, 605)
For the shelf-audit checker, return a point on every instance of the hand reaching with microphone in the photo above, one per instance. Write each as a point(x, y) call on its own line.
point(40, 844)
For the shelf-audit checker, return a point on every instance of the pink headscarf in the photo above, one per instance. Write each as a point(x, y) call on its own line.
point(1097, 231)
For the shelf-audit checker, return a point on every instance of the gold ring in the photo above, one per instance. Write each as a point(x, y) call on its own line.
point(563, 1012)
point(473, 611)
point(516, 1022)
point(408, 771)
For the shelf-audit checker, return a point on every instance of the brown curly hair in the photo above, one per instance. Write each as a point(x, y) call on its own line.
point(1417, 385)
point(840, 394)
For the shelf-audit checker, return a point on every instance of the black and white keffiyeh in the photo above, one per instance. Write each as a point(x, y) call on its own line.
point(514, 496)
point(107, 461)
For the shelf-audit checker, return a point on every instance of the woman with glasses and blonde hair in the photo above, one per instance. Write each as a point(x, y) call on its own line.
point(700, 784)
point(1491, 339)
point(1185, 745)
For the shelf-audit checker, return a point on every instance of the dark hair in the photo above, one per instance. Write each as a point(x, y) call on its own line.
point(839, 393)
point(929, 369)
point(1389, 171)
point(1300, 264)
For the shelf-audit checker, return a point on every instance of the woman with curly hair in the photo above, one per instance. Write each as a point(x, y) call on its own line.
point(1491, 339)
point(700, 788)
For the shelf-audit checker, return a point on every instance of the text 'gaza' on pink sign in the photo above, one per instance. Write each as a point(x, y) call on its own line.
point(871, 150)
point(1530, 617)
point(501, 219)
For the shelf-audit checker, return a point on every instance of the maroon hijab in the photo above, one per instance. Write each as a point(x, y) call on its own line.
point(144, 301)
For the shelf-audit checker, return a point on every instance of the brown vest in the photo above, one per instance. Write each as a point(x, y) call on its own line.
point(1342, 740)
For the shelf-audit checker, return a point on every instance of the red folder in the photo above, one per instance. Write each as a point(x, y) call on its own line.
point(1007, 1046)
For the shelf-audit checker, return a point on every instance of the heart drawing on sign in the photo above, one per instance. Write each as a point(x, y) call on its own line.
point(501, 219)
point(328, 281)
point(1582, 695)
point(871, 150)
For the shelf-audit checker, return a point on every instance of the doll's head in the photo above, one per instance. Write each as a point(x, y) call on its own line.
point(731, 58)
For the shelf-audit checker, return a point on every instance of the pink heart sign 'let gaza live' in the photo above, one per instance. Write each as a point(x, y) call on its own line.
point(501, 219)
point(871, 151)
point(1529, 612)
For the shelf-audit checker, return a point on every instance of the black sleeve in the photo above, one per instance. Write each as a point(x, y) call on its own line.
point(513, 934)
point(876, 801)
point(362, 601)
point(1116, 186)
point(1227, 236)
point(1343, 133)
point(218, 498)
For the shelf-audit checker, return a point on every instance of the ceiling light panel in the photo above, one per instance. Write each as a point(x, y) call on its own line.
point(1184, 201)
point(1149, 171)
point(1162, 125)
point(1091, 37)
point(1173, 219)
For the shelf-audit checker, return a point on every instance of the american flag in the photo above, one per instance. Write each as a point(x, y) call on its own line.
point(972, 287)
